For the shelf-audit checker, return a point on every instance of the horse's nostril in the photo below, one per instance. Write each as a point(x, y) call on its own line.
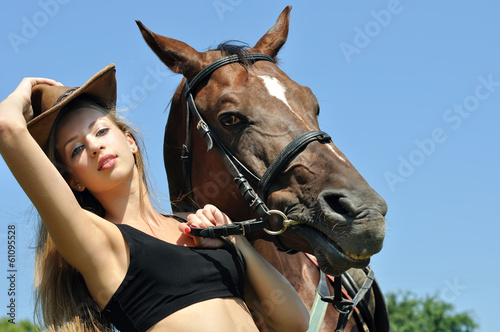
point(339, 204)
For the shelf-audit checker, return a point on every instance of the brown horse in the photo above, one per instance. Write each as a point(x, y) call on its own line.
point(256, 110)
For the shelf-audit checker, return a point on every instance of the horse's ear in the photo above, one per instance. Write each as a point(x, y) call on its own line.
point(178, 56)
point(272, 41)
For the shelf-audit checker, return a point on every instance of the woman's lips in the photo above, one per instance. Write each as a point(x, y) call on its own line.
point(107, 162)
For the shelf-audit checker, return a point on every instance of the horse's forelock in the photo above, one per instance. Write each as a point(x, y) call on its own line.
point(234, 47)
point(231, 47)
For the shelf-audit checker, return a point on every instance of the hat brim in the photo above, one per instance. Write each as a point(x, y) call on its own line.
point(101, 86)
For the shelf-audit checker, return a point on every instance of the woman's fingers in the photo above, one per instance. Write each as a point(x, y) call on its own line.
point(203, 218)
point(24, 88)
point(206, 217)
point(20, 98)
point(197, 220)
point(184, 228)
point(32, 81)
point(216, 216)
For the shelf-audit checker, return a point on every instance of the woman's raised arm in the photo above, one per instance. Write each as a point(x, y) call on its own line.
point(68, 224)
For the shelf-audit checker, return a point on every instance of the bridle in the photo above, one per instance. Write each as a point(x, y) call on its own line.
point(240, 173)
point(237, 169)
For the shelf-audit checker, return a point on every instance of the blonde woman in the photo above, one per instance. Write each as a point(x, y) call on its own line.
point(106, 258)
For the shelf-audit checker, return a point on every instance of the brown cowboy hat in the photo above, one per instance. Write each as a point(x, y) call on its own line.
point(48, 100)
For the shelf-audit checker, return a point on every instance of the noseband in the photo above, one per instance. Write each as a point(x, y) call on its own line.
point(237, 169)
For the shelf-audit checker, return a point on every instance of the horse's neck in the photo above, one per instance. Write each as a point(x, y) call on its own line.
point(297, 269)
point(303, 275)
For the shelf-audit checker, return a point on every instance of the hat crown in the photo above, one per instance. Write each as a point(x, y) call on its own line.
point(48, 100)
point(44, 97)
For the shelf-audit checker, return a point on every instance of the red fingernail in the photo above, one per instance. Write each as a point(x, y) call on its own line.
point(194, 226)
point(187, 230)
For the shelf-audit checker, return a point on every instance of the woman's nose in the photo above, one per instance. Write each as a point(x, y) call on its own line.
point(94, 146)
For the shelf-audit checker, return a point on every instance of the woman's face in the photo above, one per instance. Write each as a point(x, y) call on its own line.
point(97, 154)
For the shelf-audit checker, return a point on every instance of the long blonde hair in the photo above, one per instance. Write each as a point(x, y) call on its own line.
point(62, 300)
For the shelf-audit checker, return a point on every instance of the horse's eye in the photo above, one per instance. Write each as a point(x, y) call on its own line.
point(230, 120)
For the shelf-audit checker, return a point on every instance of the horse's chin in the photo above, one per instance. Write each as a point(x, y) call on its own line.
point(331, 258)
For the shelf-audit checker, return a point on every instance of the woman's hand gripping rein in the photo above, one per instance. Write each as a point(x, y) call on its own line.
point(203, 218)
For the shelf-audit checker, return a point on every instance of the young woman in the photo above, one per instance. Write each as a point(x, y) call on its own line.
point(105, 257)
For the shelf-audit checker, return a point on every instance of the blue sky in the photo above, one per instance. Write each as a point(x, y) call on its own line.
point(409, 91)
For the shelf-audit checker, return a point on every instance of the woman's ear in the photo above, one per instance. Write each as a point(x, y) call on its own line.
point(131, 141)
point(74, 184)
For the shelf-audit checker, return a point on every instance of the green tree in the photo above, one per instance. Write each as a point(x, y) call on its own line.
point(409, 313)
point(19, 326)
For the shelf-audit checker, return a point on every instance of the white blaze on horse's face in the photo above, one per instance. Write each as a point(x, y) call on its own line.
point(277, 90)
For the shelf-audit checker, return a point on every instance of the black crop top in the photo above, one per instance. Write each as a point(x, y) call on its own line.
point(163, 278)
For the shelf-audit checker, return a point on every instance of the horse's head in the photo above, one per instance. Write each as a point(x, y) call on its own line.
point(256, 110)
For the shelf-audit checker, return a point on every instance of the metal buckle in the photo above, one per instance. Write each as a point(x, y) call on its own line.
point(286, 223)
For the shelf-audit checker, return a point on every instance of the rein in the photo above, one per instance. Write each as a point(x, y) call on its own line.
point(236, 168)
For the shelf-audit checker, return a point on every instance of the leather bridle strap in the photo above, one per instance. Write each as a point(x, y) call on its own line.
point(346, 307)
point(227, 157)
point(236, 228)
point(208, 70)
point(287, 154)
point(237, 169)
point(344, 301)
point(210, 138)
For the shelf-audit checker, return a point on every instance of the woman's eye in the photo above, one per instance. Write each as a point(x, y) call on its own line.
point(230, 120)
point(76, 151)
point(102, 131)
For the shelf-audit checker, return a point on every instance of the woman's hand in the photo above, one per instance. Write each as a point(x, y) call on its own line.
point(203, 218)
point(18, 103)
